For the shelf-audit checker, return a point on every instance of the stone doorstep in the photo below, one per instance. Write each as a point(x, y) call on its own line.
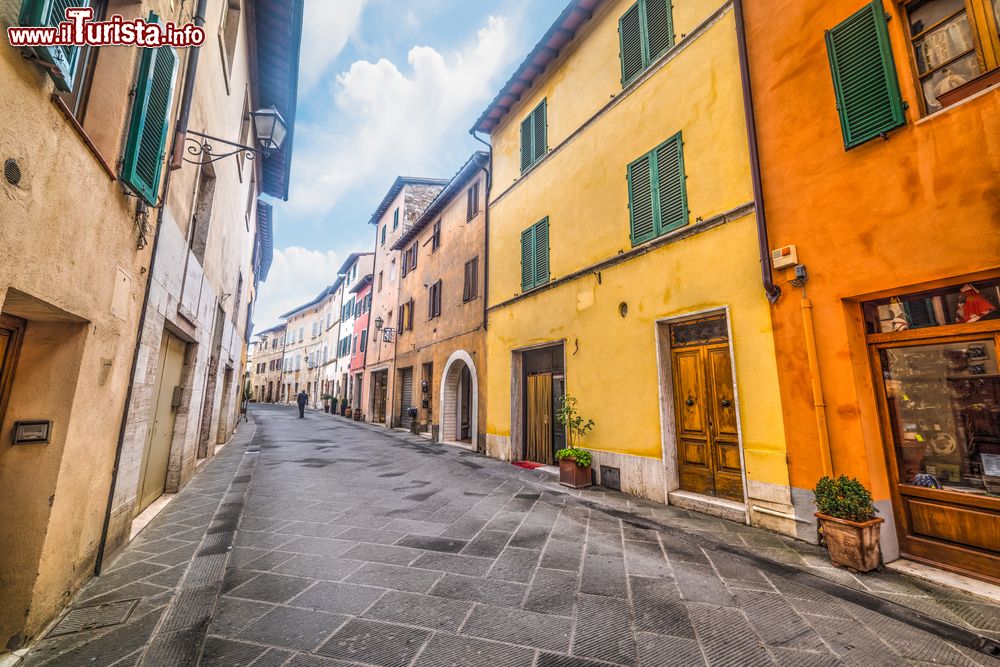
point(148, 514)
point(981, 589)
point(729, 510)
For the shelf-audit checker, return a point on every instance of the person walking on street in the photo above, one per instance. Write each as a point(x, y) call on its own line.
point(302, 399)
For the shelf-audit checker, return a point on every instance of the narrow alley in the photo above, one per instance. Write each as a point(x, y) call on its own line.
point(324, 542)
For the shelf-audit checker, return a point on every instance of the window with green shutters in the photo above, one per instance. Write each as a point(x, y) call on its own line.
point(384, 227)
point(657, 194)
point(645, 31)
point(864, 76)
point(395, 219)
point(147, 132)
point(535, 255)
point(65, 60)
point(534, 139)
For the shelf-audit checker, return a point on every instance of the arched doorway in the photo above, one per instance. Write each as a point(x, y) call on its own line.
point(460, 401)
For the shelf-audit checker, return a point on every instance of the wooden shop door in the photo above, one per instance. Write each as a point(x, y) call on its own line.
point(708, 448)
point(538, 445)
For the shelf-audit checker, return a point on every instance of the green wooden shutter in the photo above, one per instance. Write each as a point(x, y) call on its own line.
point(541, 250)
point(526, 149)
point(395, 218)
point(640, 200)
point(539, 132)
point(659, 28)
point(671, 188)
point(147, 132)
point(527, 259)
point(864, 76)
point(630, 36)
point(64, 59)
point(384, 227)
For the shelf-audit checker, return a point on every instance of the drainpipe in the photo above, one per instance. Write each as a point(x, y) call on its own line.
point(819, 402)
point(176, 151)
point(772, 291)
point(486, 229)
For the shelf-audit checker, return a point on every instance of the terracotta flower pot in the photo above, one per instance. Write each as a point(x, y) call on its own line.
point(852, 544)
point(572, 475)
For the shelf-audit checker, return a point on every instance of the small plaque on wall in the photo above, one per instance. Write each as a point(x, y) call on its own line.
point(32, 432)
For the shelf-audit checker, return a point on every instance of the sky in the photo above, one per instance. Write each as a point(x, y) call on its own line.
point(386, 88)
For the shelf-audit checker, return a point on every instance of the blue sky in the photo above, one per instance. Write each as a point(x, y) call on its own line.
point(386, 87)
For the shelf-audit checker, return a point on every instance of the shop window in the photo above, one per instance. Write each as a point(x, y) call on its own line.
point(954, 43)
point(958, 304)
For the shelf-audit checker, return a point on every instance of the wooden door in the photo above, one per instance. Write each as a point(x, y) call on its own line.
point(538, 429)
point(708, 448)
point(153, 476)
point(406, 396)
point(725, 435)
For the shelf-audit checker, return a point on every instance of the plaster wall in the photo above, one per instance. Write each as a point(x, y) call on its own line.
point(203, 297)
point(710, 265)
point(460, 324)
point(411, 201)
point(70, 264)
point(916, 210)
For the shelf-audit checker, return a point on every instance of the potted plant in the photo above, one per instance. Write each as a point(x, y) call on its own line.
point(574, 463)
point(343, 407)
point(848, 523)
point(326, 401)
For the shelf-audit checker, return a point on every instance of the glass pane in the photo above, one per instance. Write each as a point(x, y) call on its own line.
point(945, 405)
point(945, 42)
point(925, 14)
point(996, 13)
point(948, 77)
point(956, 304)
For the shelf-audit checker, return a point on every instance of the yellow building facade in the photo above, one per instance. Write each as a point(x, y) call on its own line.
point(650, 313)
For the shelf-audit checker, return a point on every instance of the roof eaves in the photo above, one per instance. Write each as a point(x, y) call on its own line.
point(560, 33)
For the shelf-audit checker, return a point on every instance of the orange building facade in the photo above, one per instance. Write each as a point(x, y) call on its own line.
point(879, 133)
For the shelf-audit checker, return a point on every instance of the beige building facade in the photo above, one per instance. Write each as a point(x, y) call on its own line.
point(264, 362)
point(399, 210)
point(306, 351)
point(440, 322)
point(125, 289)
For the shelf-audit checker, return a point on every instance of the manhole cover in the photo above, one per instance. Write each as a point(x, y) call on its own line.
point(96, 616)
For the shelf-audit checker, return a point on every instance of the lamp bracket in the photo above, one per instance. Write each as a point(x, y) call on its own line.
point(203, 148)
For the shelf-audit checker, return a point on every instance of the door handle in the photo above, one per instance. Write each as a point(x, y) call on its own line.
point(689, 402)
point(726, 403)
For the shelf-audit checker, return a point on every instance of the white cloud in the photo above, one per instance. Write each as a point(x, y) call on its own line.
point(297, 276)
point(326, 27)
point(385, 122)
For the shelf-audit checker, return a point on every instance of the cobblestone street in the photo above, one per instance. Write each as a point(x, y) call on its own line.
point(350, 545)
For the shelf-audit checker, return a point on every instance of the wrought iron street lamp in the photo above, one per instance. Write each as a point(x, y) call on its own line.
point(378, 323)
point(269, 130)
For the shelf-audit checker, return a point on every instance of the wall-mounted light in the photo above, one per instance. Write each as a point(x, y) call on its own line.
point(269, 128)
point(378, 323)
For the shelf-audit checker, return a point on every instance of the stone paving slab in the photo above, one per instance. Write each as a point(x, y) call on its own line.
point(358, 546)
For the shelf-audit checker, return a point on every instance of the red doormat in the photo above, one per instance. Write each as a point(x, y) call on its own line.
point(528, 465)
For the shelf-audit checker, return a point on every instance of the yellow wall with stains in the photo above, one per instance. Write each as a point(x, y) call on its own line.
point(581, 186)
